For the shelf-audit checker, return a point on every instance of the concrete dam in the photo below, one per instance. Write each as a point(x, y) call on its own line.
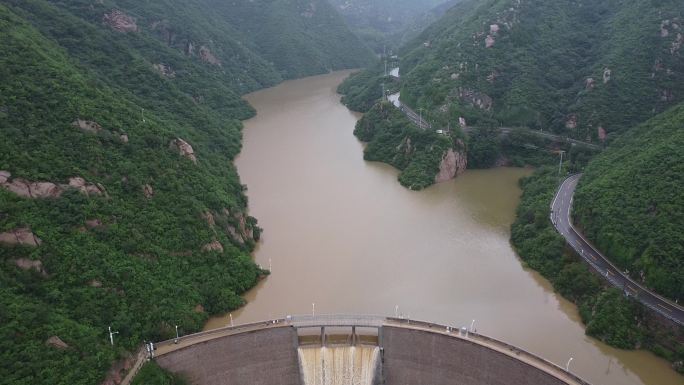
point(353, 350)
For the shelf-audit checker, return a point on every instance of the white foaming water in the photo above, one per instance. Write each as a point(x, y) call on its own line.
point(348, 365)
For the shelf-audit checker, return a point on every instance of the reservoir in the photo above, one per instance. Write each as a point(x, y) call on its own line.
point(341, 233)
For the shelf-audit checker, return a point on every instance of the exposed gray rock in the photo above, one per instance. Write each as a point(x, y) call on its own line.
point(87, 125)
point(84, 187)
point(4, 176)
point(93, 223)
point(213, 246)
point(453, 163)
point(120, 21)
point(30, 264)
point(207, 56)
point(56, 342)
point(148, 191)
point(184, 149)
point(20, 236)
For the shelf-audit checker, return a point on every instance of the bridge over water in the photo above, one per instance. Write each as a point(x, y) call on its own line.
point(410, 352)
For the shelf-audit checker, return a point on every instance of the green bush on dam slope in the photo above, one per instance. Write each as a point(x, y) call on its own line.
point(119, 203)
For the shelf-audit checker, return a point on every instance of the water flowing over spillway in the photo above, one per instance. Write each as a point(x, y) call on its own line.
point(348, 365)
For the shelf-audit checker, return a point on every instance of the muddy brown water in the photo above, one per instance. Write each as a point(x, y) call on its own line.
point(343, 234)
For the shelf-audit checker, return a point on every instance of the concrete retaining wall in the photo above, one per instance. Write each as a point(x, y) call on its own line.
point(265, 357)
point(415, 357)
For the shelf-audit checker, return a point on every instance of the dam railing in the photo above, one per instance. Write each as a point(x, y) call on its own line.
point(373, 321)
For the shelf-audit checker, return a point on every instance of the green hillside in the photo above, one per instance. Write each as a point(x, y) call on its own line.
point(577, 68)
point(119, 204)
point(630, 203)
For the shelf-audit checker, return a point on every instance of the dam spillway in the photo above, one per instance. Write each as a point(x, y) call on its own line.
point(339, 365)
point(402, 352)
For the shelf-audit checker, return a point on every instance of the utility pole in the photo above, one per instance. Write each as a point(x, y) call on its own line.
point(176, 340)
point(111, 335)
point(313, 309)
point(560, 164)
point(384, 56)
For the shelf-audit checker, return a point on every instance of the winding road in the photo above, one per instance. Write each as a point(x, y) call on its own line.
point(561, 219)
point(417, 120)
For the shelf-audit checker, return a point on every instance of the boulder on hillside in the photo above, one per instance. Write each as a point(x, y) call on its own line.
point(4, 176)
point(602, 135)
point(57, 343)
point(38, 190)
point(209, 218)
point(148, 191)
point(165, 70)
point(87, 125)
point(30, 264)
point(94, 224)
point(232, 231)
point(120, 21)
point(607, 73)
point(213, 246)
point(84, 187)
point(20, 236)
point(207, 56)
point(184, 149)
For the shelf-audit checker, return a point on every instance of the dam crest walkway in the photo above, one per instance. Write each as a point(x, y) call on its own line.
point(169, 347)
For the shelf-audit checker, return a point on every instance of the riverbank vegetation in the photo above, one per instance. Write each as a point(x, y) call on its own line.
point(395, 140)
point(362, 90)
point(119, 203)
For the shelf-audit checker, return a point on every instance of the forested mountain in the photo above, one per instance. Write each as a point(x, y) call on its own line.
point(387, 23)
point(630, 202)
point(584, 68)
point(119, 204)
